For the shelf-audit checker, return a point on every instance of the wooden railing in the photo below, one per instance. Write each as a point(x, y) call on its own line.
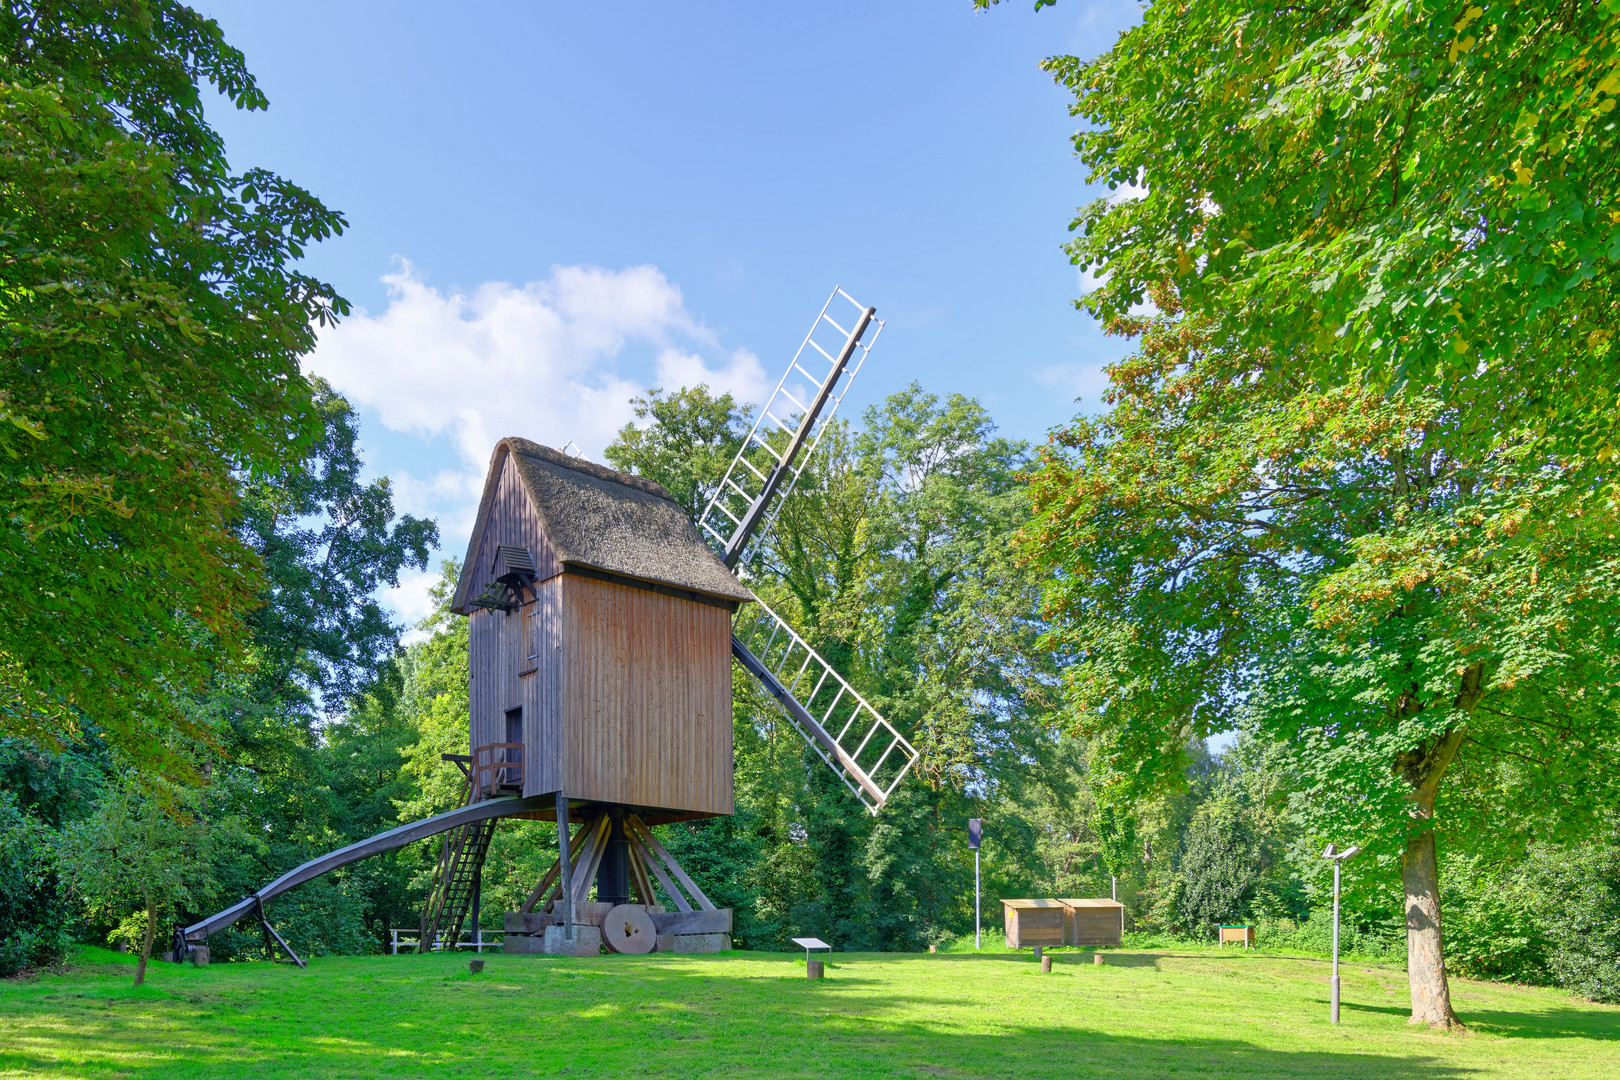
point(494, 767)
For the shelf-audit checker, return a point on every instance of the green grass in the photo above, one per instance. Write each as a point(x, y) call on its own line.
point(1148, 1013)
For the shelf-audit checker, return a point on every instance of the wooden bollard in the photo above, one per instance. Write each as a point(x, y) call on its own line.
point(1037, 949)
point(1097, 958)
point(815, 969)
point(933, 946)
point(1046, 965)
point(475, 966)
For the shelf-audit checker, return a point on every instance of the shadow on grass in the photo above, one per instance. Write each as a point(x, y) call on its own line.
point(674, 1020)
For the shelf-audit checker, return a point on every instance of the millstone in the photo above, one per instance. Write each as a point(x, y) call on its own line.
point(629, 929)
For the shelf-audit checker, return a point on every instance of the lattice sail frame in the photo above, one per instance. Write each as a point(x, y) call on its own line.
point(746, 478)
point(871, 770)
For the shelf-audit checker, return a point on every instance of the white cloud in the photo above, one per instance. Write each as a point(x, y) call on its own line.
point(552, 360)
point(537, 360)
point(743, 377)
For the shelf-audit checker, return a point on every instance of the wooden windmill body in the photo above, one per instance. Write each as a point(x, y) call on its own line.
point(603, 626)
point(605, 656)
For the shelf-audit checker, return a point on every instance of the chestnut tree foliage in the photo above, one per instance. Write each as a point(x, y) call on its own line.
point(1398, 192)
point(151, 322)
point(1357, 486)
point(1234, 542)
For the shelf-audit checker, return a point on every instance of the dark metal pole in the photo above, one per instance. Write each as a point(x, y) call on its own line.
point(565, 871)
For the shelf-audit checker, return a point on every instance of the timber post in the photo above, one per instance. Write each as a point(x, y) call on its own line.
point(564, 870)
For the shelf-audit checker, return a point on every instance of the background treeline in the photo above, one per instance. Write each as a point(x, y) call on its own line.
point(897, 557)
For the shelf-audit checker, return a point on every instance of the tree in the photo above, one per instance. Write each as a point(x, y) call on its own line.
point(136, 851)
point(1218, 865)
point(308, 737)
point(328, 541)
point(1397, 194)
point(1232, 541)
point(685, 440)
point(153, 325)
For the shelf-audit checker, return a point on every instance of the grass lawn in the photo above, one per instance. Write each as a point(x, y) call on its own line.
point(1148, 1013)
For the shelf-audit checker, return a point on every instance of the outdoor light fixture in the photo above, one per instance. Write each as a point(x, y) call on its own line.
point(1337, 857)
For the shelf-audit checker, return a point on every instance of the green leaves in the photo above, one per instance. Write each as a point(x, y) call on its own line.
point(1413, 193)
point(153, 327)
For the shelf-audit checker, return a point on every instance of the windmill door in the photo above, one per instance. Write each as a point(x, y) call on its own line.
point(514, 747)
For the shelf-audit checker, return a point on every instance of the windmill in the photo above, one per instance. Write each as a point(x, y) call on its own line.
point(602, 629)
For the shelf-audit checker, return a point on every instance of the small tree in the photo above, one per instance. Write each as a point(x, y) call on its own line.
point(1219, 866)
point(136, 854)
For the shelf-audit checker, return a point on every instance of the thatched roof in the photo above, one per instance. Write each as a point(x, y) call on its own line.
point(601, 519)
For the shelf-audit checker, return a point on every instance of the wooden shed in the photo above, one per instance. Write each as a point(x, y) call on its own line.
point(599, 640)
point(1092, 922)
point(1033, 922)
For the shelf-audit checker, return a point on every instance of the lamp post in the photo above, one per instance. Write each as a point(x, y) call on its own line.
point(1336, 857)
point(975, 834)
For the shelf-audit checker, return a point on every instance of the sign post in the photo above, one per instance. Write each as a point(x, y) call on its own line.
point(975, 834)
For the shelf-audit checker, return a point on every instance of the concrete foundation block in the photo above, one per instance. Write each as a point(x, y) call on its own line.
point(665, 943)
point(702, 943)
point(199, 956)
point(523, 945)
point(587, 941)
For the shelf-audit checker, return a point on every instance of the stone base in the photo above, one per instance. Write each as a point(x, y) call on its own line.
point(587, 941)
point(199, 955)
point(523, 945)
point(553, 942)
point(701, 943)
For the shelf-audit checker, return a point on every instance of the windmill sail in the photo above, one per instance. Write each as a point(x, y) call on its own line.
point(866, 752)
point(787, 431)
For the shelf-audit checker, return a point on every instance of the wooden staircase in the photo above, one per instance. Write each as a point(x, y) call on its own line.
point(454, 884)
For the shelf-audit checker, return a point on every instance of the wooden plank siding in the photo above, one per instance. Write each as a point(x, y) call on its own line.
point(512, 521)
point(541, 691)
point(645, 698)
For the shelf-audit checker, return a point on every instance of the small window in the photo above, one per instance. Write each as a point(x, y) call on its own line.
point(531, 633)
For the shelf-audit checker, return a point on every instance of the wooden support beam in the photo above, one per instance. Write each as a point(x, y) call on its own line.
point(270, 932)
point(552, 875)
point(585, 842)
point(598, 847)
point(646, 858)
point(674, 867)
point(638, 873)
point(565, 872)
point(581, 846)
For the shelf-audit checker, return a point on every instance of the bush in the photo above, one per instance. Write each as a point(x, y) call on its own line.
point(1493, 925)
point(1219, 867)
point(1313, 936)
point(1580, 892)
point(35, 922)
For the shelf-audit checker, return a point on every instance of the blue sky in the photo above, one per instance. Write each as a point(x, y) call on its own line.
point(553, 206)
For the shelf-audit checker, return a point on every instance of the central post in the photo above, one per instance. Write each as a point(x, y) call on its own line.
point(613, 876)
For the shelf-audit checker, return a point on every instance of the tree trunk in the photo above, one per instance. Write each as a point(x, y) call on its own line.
point(1422, 767)
point(146, 943)
point(1425, 955)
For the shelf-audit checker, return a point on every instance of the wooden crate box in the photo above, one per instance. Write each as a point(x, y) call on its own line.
point(1033, 922)
point(1092, 922)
